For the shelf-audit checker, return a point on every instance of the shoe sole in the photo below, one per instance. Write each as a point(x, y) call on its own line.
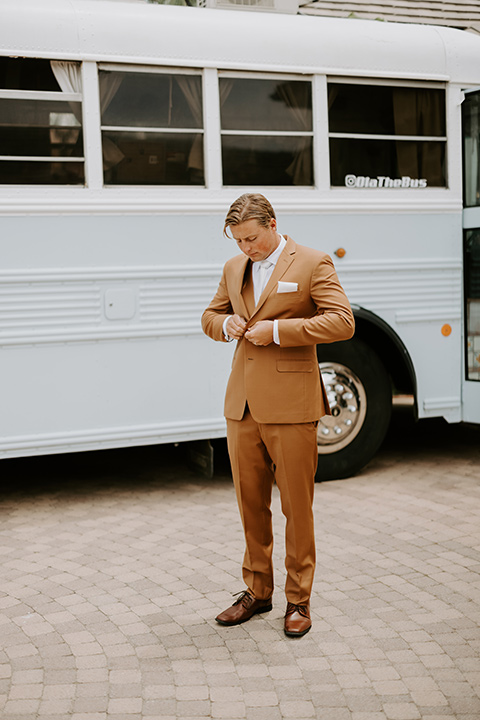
point(267, 608)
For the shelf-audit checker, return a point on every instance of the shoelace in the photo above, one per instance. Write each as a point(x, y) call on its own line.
point(301, 609)
point(245, 598)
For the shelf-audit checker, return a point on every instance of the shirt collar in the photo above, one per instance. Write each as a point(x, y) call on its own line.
point(273, 257)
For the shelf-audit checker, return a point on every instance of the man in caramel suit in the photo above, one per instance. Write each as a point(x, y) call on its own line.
point(277, 300)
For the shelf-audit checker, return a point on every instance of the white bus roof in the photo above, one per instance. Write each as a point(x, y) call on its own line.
point(235, 40)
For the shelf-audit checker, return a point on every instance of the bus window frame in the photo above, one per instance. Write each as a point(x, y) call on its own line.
point(154, 70)
point(253, 75)
point(393, 82)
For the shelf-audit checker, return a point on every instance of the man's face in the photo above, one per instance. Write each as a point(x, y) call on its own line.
point(256, 241)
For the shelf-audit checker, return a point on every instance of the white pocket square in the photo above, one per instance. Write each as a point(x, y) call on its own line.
point(286, 287)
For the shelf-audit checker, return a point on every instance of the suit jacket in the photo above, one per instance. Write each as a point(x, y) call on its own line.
point(281, 383)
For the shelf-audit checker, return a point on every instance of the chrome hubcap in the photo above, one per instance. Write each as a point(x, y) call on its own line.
point(348, 403)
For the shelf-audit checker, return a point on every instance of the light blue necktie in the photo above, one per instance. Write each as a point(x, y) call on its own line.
point(264, 265)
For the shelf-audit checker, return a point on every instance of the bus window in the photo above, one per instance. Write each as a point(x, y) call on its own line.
point(386, 134)
point(471, 139)
point(41, 139)
point(152, 128)
point(267, 136)
point(472, 297)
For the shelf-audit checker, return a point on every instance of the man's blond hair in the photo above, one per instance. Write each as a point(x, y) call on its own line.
point(250, 206)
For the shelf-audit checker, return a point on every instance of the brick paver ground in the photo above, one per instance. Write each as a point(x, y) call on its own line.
point(113, 566)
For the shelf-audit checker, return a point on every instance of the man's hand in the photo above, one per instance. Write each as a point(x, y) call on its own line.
point(235, 327)
point(261, 333)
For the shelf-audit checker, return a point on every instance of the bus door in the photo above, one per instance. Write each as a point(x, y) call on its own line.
point(471, 255)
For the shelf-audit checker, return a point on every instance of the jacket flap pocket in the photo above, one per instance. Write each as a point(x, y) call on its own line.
point(295, 366)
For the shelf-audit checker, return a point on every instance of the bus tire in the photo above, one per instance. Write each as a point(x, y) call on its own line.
point(360, 396)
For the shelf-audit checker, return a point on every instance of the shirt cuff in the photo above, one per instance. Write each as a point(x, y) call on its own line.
point(224, 328)
point(276, 337)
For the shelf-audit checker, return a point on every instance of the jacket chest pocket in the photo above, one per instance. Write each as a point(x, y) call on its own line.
point(291, 302)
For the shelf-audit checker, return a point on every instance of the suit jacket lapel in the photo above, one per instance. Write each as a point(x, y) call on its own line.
point(283, 263)
point(244, 274)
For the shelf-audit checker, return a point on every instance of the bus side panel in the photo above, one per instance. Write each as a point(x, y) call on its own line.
point(407, 269)
point(79, 396)
point(104, 347)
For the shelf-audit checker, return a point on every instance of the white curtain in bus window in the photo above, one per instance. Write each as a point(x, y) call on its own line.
point(41, 139)
point(267, 136)
point(383, 136)
point(152, 128)
point(471, 140)
point(472, 297)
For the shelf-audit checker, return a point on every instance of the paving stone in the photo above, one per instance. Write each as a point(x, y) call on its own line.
point(224, 710)
point(126, 706)
point(363, 700)
point(25, 691)
point(90, 704)
point(53, 708)
point(265, 713)
point(297, 709)
point(401, 711)
point(226, 694)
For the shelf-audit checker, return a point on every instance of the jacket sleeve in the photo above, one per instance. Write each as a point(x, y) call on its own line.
point(333, 320)
point(215, 314)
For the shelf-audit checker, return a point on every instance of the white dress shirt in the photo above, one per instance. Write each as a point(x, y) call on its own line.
point(256, 268)
point(272, 258)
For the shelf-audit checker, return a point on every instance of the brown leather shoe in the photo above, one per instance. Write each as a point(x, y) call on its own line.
point(243, 609)
point(297, 620)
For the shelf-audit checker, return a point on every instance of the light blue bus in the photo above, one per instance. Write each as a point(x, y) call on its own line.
point(127, 129)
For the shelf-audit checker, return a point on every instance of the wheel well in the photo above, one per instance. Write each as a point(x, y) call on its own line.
point(392, 352)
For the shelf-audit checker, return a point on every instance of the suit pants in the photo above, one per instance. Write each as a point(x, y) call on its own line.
point(261, 454)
